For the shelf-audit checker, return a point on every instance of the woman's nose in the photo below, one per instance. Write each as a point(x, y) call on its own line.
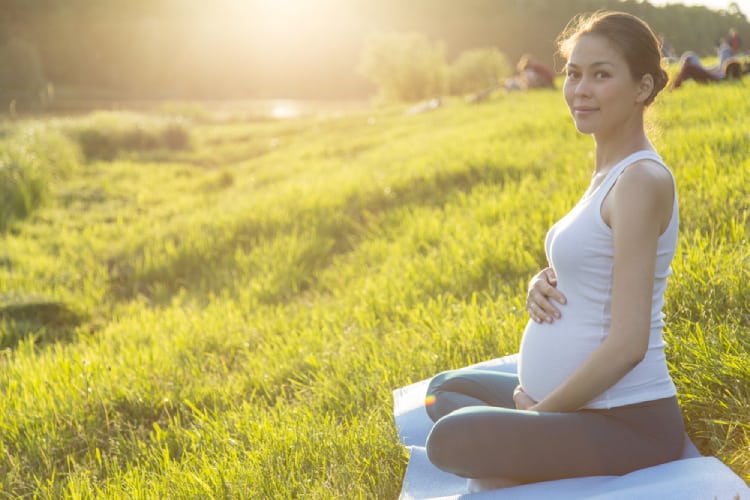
point(583, 87)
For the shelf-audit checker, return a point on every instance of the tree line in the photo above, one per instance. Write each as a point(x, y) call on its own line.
point(232, 49)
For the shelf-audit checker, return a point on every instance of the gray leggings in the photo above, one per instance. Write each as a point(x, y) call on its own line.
point(479, 434)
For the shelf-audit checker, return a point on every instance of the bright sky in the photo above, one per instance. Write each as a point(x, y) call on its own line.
point(711, 4)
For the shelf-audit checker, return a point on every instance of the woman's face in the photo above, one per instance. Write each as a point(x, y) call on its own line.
point(599, 88)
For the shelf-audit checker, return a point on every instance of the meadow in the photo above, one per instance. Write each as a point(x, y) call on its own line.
point(202, 306)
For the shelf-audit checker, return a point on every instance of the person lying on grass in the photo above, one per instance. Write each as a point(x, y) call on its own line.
point(691, 67)
point(593, 395)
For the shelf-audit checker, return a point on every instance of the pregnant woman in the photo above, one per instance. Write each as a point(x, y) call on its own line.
point(593, 395)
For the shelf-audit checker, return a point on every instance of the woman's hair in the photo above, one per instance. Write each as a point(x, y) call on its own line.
point(630, 35)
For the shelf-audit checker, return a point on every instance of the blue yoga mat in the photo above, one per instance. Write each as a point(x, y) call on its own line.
point(692, 477)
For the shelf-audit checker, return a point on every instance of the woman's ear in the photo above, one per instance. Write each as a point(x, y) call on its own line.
point(645, 88)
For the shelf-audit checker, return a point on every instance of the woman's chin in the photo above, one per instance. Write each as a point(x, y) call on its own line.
point(584, 128)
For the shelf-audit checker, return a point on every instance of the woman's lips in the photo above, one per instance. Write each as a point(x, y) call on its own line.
point(583, 111)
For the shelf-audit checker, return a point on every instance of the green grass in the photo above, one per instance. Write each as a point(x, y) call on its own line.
point(228, 319)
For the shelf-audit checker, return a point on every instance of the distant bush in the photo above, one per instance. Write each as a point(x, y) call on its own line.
point(405, 67)
point(103, 135)
point(29, 161)
point(478, 69)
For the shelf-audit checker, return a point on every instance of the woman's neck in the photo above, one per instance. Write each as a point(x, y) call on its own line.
point(614, 147)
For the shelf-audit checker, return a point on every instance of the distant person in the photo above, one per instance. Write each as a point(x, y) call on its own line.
point(531, 74)
point(691, 67)
point(667, 50)
point(735, 42)
point(593, 395)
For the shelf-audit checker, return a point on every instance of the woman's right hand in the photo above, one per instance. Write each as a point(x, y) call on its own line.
point(523, 401)
point(542, 291)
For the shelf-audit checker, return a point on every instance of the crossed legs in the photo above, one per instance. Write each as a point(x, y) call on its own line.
point(479, 434)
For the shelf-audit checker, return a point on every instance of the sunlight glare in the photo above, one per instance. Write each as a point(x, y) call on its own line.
point(284, 109)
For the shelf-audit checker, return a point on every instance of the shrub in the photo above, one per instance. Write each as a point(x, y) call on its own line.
point(103, 135)
point(404, 67)
point(175, 136)
point(478, 69)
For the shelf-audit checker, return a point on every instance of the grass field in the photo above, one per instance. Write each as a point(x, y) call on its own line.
point(195, 307)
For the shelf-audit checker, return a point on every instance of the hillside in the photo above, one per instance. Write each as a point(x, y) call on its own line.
point(221, 307)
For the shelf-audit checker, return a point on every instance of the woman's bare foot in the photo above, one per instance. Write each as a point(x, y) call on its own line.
point(476, 485)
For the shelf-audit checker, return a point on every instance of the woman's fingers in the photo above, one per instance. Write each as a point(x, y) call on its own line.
point(534, 313)
point(541, 315)
point(542, 292)
point(543, 297)
point(549, 288)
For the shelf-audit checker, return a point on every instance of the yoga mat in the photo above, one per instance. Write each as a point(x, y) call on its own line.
point(692, 477)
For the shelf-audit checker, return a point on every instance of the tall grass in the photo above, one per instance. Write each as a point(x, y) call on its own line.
point(30, 159)
point(244, 308)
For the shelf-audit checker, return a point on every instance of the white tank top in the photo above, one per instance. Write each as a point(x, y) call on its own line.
point(580, 249)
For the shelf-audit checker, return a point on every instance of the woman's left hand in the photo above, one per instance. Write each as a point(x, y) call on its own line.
point(523, 401)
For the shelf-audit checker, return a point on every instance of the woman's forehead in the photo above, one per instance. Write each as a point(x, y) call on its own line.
point(594, 49)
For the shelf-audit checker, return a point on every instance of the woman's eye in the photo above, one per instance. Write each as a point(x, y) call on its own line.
point(601, 74)
point(572, 74)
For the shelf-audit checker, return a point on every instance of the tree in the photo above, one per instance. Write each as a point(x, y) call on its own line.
point(478, 69)
point(21, 79)
point(404, 67)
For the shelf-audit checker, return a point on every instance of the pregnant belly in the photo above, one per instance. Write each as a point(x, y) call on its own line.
point(550, 353)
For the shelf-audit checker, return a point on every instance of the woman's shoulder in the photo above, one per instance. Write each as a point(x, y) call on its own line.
point(645, 186)
point(645, 172)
